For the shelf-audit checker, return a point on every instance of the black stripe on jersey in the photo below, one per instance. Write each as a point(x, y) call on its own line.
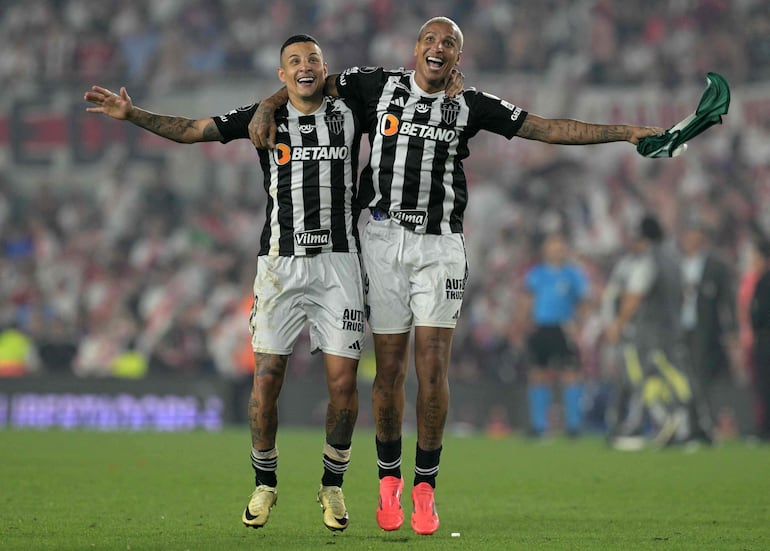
point(265, 160)
point(311, 196)
point(338, 220)
point(460, 187)
point(437, 191)
point(285, 202)
point(389, 143)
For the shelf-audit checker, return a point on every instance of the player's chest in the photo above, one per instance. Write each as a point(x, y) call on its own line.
point(312, 139)
point(432, 120)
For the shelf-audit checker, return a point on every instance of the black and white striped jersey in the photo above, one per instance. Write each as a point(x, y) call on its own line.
point(418, 142)
point(310, 178)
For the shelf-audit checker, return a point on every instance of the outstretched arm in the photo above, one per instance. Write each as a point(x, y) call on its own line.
point(574, 132)
point(178, 129)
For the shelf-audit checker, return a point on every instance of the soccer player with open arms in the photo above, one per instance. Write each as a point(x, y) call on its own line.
point(308, 266)
point(413, 248)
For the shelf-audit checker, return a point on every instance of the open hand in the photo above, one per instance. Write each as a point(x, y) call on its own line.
point(109, 103)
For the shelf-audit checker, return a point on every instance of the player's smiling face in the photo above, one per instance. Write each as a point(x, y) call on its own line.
point(437, 51)
point(303, 71)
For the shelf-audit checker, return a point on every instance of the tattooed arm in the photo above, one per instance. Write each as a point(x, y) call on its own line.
point(574, 132)
point(178, 129)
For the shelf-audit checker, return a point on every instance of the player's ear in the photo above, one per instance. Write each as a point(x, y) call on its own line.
point(281, 75)
point(326, 70)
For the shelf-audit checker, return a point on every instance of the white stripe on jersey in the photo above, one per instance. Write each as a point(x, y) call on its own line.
point(275, 232)
point(324, 185)
point(297, 169)
point(462, 122)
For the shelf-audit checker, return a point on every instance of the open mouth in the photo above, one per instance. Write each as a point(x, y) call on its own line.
point(434, 62)
point(306, 81)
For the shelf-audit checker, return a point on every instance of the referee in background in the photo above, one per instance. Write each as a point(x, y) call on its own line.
point(556, 287)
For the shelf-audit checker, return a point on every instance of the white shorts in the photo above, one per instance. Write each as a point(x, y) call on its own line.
point(412, 278)
point(325, 290)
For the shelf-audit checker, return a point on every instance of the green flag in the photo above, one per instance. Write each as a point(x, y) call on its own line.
point(714, 103)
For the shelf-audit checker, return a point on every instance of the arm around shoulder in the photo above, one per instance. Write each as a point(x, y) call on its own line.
point(330, 88)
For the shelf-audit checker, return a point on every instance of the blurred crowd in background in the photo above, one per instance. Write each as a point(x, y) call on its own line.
point(138, 276)
point(167, 43)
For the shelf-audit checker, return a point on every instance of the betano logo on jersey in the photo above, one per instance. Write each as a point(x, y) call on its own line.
point(284, 153)
point(390, 125)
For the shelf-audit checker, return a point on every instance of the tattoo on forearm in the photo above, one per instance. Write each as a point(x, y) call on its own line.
point(572, 132)
point(173, 128)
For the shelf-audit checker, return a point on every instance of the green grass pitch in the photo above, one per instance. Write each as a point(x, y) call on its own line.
point(130, 491)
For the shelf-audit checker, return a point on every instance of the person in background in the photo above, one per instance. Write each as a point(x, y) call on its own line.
point(759, 310)
point(709, 323)
point(556, 287)
point(643, 300)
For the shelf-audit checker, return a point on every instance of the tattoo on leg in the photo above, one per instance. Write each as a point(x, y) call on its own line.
point(256, 433)
point(270, 365)
point(388, 424)
point(339, 425)
point(263, 402)
point(434, 414)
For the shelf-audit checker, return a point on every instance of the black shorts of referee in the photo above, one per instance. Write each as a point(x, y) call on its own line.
point(549, 348)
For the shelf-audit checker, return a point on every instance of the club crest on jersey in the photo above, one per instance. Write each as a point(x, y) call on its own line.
point(335, 120)
point(449, 111)
point(412, 217)
point(312, 238)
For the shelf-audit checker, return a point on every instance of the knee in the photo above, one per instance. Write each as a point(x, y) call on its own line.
point(387, 380)
point(343, 387)
point(432, 373)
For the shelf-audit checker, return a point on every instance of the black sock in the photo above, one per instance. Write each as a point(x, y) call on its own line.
point(265, 464)
point(426, 466)
point(389, 458)
point(336, 459)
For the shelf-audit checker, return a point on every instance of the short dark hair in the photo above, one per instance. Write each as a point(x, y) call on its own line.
point(650, 229)
point(298, 38)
